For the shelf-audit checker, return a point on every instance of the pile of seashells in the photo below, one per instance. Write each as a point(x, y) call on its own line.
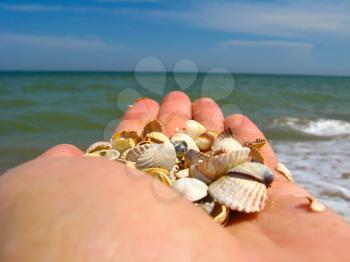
point(212, 170)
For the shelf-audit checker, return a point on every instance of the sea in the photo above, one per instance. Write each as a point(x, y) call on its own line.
point(306, 118)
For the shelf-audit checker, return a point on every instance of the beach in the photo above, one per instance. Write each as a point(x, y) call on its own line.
point(306, 118)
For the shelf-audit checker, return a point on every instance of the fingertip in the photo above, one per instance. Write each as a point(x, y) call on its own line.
point(177, 95)
point(206, 111)
point(66, 150)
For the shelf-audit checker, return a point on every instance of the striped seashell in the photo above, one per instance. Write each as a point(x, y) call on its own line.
point(255, 170)
point(188, 140)
point(97, 146)
point(217, 166)
point(191, 188)
point(194, 129)
point(225, 142)
point(240, 194)
point(133, 153)
point(157, 155)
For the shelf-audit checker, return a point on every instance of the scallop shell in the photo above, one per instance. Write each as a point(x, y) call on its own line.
point(97, 146)
point(184, 137)
point(225, 142)
point(156, 137)
point(205, 141)
point(239, 194)
point(216, 166)
point(157, 155)
point(255, 170)
point(160, 173)
point(194, 129)
point(133, 153)
point(284, 171)
point(191, 188)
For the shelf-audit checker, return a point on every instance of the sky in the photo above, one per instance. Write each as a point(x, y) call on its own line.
point(275, 37)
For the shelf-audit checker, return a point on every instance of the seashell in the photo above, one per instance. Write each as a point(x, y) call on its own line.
point(194, 129)
point(180, 147)
point(257, 143)
point(216, 166)
point(172, 173)
point(125, 162)
point(133, 153)
point(207, 207)
point(191, 188)
point(157, 155)
point(225, 142)
point(183, 173)
point(111, 154)
point(315, 205)
point(255, 170)
point(156, 137)
point(284, 171)
point(152, 126)
point(205, 141)
point(97, 146)
point(223, 215)
point(124, 140)
point(183, 137)
point(160, 173)
point(192, 156)
point(239, 194)
point(195, 173)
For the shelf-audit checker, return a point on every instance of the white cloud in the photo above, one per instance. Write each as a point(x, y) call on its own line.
point(54, 42)
point(270, 43)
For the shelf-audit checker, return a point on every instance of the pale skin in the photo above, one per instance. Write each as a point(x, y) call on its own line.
point(65, 207)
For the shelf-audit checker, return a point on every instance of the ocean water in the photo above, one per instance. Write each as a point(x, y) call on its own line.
point(307, 119)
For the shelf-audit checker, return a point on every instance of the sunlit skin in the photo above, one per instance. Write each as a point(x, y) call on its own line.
point(65, 207)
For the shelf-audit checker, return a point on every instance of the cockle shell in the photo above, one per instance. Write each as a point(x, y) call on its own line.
point(239, 194)
point(157, 155)
point(111, 154)
point(191, 188)
point(226, 142)
point(124, 140)
point(133, 153)
point(284, 171)
point(194, 129)
point(160, 173)
point(184, 137)
point(156, 137)
point(205, 141)
point(216, 166)
point(97, 146)
point(255, 170)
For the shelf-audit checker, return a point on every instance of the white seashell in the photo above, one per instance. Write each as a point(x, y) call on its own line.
point(133, 153)
point(239, 194)
point(195, 173)
point(255, 170)
point(225, 142)
point(157, 155)
point(191, 188)
point(315, 205)
point(194, 129)
point(97, 146)
point(183, 173)
point(216, 166)
point(284, 171)
point(183, 137)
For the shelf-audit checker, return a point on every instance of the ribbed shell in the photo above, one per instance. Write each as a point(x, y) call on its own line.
point(239, 194)
point(157, 155)
point(256, 170)
point(133, 153)
point(226, 144)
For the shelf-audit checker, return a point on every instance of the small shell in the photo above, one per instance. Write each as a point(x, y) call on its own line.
point(133, 153)
point(180, 147)
point(183, 137)
point(191, 188)
point(223, 215)
point(315, 205)
point(183, 173)
point(216, 166)
point(152, 126)
point(239, 194)
point(225, 142)
point(111, 154)
point(205, 141)
point(156, 137)
point(157, 155)
point(194, 129)
point(124, 140)
point(172, 173)
point(160, 173)
point(284, 171)
point(97, 146)
point(255, 170)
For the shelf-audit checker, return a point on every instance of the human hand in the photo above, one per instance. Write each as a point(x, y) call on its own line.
point(64, 207)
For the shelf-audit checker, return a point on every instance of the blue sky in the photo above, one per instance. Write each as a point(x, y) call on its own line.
point(283, 36)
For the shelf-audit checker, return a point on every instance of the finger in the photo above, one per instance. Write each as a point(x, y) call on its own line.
point(246, 131)
point(62, 150)
point(138, 115)
point(208, 113)
point(174, 111)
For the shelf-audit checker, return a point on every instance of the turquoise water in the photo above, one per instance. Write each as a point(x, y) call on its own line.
point(40, 109)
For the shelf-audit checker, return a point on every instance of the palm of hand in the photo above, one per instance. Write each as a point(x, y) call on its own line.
point(119, 218)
